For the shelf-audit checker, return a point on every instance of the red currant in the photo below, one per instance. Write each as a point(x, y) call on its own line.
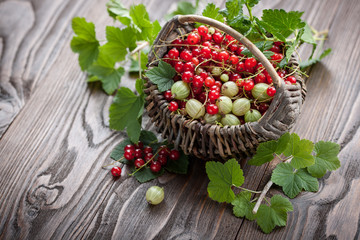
point(218, 83)
point(223, 56)
point(198, 81)
point(186, 55)
point(174, 155)
point(234, 77)
point(129, 154)
point(147, 150)
point(215, 88)
point(129, 146)
point(203, 30)
point(248, 85)
point(212, 109)
point(207, 44)
point(278, 43)
point(139, 163)
point(140, 145)
point(173, 53)
point(196, 90)
point(204, 75)
point(155, 167)
point(179, 67)
point(116, 171)
point(209, 82)
point(173, 106)
point(291, 79)
point(275, 49)
point(233, 47)
point(239, 50)
point(195, 61)
point(263, 107)
point(250, 63)
point(233, 59)
point(240, 67)
point(196, 52)
point(193, 38)
point(148, 157)
point(277, 57)
point(187, 76)
point(162, 159)
point(206, 52)
point(260, 78)
point(218, 37)
point(201, 97)
point(214, 55)
point(168, 95)
point(271, 91)
point(164, 150)
point(189, 66)
point(213, 95)
point(138, 153)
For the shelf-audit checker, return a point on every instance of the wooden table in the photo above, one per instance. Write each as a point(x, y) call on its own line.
point(55, 138)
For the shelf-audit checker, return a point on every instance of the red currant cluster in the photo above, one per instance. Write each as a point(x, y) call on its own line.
point(143, 156)
point(211, 70)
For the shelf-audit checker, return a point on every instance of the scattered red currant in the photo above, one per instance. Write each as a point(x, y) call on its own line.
point(116, 171)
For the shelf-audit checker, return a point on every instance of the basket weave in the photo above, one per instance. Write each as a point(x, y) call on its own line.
point(210, 141)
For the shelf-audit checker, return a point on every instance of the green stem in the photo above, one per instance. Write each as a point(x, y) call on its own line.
point(132, 174)
point(248, 190)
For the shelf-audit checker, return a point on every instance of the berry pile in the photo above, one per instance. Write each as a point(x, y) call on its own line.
point(216, 82)
point(142, 156)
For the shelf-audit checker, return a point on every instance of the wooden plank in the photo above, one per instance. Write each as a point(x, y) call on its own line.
point(51, 181)
point(327, 115)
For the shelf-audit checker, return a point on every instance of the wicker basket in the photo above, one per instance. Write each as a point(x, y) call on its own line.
point(212, 141)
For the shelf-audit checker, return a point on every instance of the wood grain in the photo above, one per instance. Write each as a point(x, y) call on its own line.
point(56, 138)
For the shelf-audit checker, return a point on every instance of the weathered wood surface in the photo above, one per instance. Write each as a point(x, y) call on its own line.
point(55, 138)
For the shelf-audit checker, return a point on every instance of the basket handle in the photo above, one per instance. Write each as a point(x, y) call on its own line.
point(238, 36)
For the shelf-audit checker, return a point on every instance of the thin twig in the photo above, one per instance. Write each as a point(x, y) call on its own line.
point(139, 48)
point(264, 191)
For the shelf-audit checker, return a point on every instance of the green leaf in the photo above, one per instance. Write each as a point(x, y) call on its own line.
point(117, 11)
point(312, 61)
point(293, 182)
point(262, 46)
point(119, 40)
point(147, 137)
point(265, 151)
point(308, 36)
point(162, 76)
point(325, 158)
point(211, 11)
point(281, 23)
point(145, 175)
point(222, 178)
point(109, 76)
point(179, 166)
point(124, 112)
point(301, 151)
point(183, 8)
point(275, 215)
point(291, 49)
point(235, 17)
point(282, 143)
point(85, 43)
point(142, 23)
point(242, 205)
point(92, 78)
point(251, 3)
